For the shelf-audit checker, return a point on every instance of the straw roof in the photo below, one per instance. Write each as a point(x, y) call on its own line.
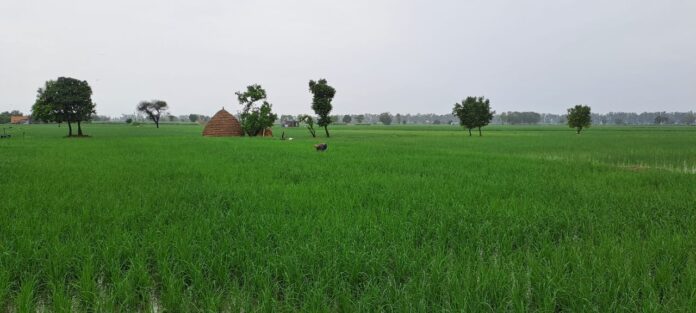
point(18, 119)
point(268, 133)
point(223, 124)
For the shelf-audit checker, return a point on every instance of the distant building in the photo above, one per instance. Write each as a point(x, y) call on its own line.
point(19, 119)
point(289, 123)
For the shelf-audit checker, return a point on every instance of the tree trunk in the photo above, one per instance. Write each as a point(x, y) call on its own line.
point(79, 129)
point(69, 129)
point(157, 123)
point(578, 130)
point(480, 132)
point(469, 132)
point(326, 129)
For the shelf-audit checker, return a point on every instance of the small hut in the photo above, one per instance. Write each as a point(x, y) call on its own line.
point(265, 133)
point(290, 123)
point(223, 124)
point(19, 119)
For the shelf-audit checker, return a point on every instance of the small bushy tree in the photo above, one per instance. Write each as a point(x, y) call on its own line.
point(473, 112)
point(659, 120)
point(309, 121)
point(347, 119)
point(579, 117)
point(153, 109)
point(255, 119)
point(385, 118)
point(690, 118)
point(360, 118)
point(323, 94)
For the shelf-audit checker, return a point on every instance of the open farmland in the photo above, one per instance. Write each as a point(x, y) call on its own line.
point(399, 218)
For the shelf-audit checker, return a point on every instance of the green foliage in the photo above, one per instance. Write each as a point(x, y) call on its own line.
point(129, 120)
point(347, 119)
point(659, 120)
point(309, 121)
point(516, 118)
point(360, 118)
point(255, 119)
point(153, 109)
point(385, 118)
point(193, 118)
point(64, 100)
point(579, 117)
point(412, 219)
point(473, 112)
point(323, 94)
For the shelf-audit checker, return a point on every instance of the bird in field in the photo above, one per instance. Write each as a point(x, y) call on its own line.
point(321, 147)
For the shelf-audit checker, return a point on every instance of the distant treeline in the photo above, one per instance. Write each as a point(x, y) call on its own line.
point(508, 118)
point(532, 118)
point(505, 118)
point(522, 118)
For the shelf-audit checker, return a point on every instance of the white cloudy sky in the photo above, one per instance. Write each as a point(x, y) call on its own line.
point(381, 55)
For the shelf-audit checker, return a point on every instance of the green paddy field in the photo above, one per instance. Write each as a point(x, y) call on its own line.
point(389, 219)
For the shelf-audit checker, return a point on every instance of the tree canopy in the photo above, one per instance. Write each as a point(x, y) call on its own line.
point(153, 109)
point(385, 118)
point(347, 119)
point(579, 117)
point(473, 112)
point(520, 118)
point(65, 100)
point(255, 119)
point(323, 94)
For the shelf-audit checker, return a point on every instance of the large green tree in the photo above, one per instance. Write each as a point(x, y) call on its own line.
point(255, 119)
point(153, 109)
point(64, 100)
point(579, 117)
point(473, 112)
point(323, 94)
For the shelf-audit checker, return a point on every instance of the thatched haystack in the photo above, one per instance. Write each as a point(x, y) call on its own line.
point(265, 133)
point(223, 124)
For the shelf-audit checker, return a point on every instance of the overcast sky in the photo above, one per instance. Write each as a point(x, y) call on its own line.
point(406, 56)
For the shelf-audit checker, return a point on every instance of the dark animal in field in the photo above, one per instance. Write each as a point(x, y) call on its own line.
point(321, 147)
point(5, 134)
